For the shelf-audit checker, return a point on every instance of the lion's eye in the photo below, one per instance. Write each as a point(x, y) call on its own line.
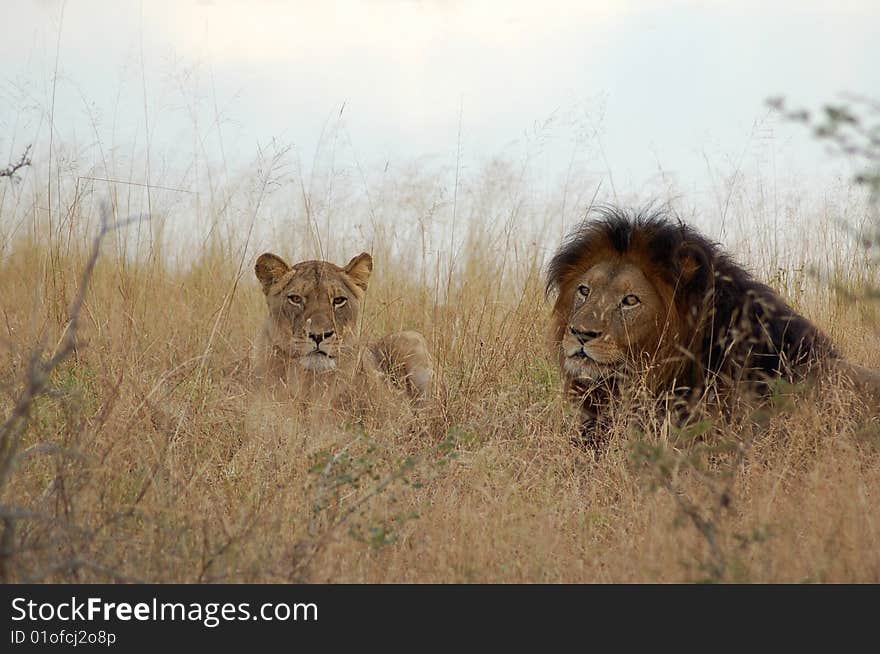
point(339, 301)
point(583, 290)
point(630, 301)
point(293, 298)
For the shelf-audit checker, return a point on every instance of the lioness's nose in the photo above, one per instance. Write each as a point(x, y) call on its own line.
point(320, 337)
point(584, 335)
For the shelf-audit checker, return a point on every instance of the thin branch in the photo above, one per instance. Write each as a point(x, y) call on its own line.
point(13, 168)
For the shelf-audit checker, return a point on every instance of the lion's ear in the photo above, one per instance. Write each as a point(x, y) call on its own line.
point(693, 265)
point(269, 268)
point(359, 269)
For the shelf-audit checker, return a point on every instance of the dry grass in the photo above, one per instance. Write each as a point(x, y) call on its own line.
point(154, 457)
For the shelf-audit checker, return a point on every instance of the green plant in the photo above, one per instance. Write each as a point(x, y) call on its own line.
point(348, 481)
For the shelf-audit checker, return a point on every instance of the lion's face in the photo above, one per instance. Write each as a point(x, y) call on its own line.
point(616, 319)
point(314, 306)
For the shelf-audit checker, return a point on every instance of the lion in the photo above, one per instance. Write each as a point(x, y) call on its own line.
point(309, 339)
point(643, 297)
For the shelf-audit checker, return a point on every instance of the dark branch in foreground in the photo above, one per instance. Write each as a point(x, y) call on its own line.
point(13, 168)
point(37, 383)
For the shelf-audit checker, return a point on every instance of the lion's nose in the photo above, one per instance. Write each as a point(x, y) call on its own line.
point(320, 337)
point(584, 335)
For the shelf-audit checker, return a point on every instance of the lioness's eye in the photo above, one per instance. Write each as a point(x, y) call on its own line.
point(630, 301)
point(293, 298)
point(583, 290)
point(339, 301)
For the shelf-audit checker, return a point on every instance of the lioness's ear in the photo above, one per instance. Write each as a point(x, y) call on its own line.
point(359, 269)
point(269, 268)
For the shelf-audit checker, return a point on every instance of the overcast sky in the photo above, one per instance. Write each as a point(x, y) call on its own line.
point(643, 86)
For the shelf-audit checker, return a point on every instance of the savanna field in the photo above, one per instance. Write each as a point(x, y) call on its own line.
point(153, 454)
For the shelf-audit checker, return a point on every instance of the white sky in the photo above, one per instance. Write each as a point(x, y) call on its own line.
point(624, 88)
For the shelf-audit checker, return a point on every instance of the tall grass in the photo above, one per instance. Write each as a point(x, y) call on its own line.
point(154, 455)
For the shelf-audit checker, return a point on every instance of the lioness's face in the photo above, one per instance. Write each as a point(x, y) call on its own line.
point(313, 306)
point(616, 319)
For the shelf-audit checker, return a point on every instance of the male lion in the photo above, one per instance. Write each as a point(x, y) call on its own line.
point(643, 297)
point(310, 335)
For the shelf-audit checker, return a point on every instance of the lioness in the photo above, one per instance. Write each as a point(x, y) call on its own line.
point(310, 334)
